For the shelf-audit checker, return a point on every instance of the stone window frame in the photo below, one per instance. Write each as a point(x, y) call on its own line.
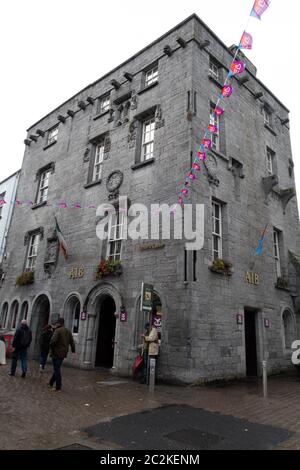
point(38, 177)
point(285, 334)
point(277, 252)
point(23, 308)
point(139, 121)
point(27, 238)
point(272, 154)
point(146, 85)
point(14, 314)
point(100, 110)
point(215, 234)
point(96, 142)
point(52, 140)
point(115, 240)
point(70, 306)
point(4, 323)
point(216, 78)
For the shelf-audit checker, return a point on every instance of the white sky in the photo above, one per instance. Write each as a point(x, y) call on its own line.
point(52, 49)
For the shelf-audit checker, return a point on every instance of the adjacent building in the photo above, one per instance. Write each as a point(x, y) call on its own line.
point(8, 189)
point(134, 133)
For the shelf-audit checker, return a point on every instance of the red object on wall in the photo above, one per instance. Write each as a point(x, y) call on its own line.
point(8, 341)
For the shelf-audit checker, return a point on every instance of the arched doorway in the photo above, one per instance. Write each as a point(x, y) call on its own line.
point(39, 318)
point(106, 333)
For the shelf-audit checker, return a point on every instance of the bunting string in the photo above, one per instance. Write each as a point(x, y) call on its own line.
point(236, 67)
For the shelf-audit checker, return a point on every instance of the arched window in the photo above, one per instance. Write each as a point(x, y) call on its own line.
point(24, 310)
point(72, 314)
point(76, 316)
point(4, 312)
point(14, 314)
point(288, 328)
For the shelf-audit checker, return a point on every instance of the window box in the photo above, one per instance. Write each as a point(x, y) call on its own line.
point(282, 283)
point(221, 266)
point(25, 278)
point(108, 267)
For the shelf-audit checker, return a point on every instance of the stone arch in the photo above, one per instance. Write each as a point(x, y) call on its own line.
point(92, 305)
point(14, 313)
point(71, 311)
point(4, 314)
point(40, 316)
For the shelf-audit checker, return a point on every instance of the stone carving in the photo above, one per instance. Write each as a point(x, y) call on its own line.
point(86, 155)
point(159, 121)
point(268, 184)
point(286, 195)
point(210, 165)
point(111, 115)
point(131, 137)
point(134, 100)
point(114, 181)
point(51, 255)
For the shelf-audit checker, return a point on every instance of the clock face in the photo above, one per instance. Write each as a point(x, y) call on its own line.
point(114, 181)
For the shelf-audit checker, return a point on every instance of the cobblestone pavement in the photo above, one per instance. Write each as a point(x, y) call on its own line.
point(34, 417)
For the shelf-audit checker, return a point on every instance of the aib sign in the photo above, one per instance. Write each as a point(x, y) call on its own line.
point(123, 315)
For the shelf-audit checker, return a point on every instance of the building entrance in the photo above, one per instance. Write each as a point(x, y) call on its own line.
point(106, 334)
point(40, 318)
point(251, 342)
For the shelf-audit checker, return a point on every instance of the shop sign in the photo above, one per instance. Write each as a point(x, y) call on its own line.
point(77, 273)
point(146, 297)
point(239, 319)
point(252, 278)
point(83, 315)
point(267, 323)
point(152, 246)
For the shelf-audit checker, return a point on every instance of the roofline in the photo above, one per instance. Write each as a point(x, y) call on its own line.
point(179, 25)
point(11, 176)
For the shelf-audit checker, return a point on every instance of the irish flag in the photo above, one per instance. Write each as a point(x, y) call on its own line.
point(62, 242)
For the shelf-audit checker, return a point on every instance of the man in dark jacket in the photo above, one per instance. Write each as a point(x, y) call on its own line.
point(20, 344)
point(59, 347)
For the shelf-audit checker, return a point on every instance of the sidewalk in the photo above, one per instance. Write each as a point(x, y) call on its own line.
point(34, 417)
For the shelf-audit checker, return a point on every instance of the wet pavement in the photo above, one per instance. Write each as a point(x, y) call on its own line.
point(95, 409)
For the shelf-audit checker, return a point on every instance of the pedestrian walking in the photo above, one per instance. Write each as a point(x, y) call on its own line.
point(2, 349)
point(21, 342)
point(60, 342)
point(45, 338)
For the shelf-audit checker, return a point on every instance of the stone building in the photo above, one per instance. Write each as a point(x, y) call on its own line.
point(8, 189)
point(134, 133)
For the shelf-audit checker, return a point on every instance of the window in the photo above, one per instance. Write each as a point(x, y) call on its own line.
point(104, 104)
point(215, 120)
point(98, 162)
point(2, 196)
point(276, 236)
point(24, 311)
point(32, 252)
point(14, 314)
point(151, 76)
point(115, 236)
point(213, 69)
point(217, 230)
point(52, 135)
point(267, 117)
point(269, 162)
point(288, 328)
point(43, 186)
point(148, 139)
point(4, 313)
point(75, 317)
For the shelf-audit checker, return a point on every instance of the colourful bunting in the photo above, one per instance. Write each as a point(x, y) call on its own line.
point(185, 191)
point(196, 166)
point(201, 156)
point(207, 143)
point(219, 111)
point(237, 67)
point(246, 41)
point(192, 176)
point(227, 91)
point(2, 202)
point(213, 128)
point(259, 8)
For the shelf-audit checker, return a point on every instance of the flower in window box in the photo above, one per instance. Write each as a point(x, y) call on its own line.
point(25, 278)
point(108, 267)
point(221, 266)
point(282, 283)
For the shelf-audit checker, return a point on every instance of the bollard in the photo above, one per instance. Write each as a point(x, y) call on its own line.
point(152, 374)
point(265, 378)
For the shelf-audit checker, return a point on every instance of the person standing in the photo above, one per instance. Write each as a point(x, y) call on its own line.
point(144, 354)
point(60, 342)
point(153, 345)
point(2, 349)
point(21, 342)
point(46, 336)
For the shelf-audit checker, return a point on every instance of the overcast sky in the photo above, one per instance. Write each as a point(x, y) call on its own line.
point(52, 49)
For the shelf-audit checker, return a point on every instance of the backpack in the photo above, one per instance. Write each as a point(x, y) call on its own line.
point(25, 338)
